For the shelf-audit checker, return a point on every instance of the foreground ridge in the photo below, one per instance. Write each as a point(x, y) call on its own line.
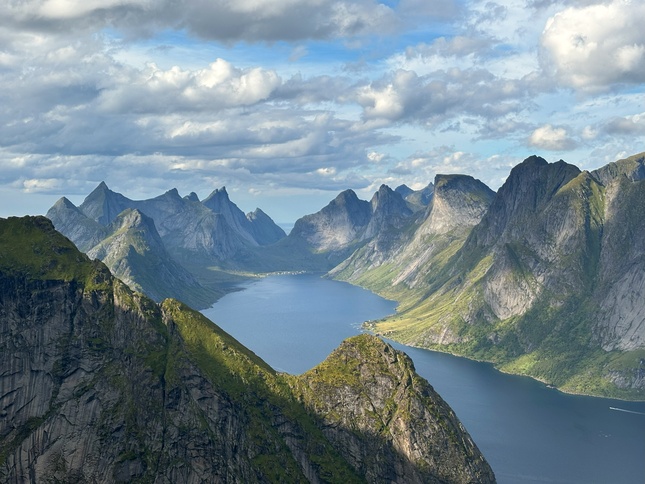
point(102, 384)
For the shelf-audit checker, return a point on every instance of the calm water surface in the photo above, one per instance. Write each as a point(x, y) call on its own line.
point(528, 433)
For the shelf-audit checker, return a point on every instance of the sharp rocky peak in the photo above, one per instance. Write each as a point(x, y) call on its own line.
point(64, 202)
point(459, 201)
point(217, 194)
point(192, 197)
point(173, 193)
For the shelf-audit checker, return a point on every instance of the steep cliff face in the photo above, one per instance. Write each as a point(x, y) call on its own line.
point(460, 201)
point(367, 393)
point(389, 212)
point(100, 384)
point(406, 255)
point(81, 229)
point(264, 229)
point(620, 290)
point(336, 226)
point(550, 283)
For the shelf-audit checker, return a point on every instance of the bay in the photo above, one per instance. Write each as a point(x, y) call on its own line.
point(528, 432)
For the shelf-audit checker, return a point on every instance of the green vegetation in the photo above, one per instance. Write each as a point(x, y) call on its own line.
point(31, 246)
point(241, 374)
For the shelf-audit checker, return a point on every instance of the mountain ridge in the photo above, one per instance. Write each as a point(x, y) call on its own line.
point(548, 284)
point(104, 385)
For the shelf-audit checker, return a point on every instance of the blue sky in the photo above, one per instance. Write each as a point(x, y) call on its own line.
point(288, 102)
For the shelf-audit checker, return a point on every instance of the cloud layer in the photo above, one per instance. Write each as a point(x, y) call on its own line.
point(280, 97)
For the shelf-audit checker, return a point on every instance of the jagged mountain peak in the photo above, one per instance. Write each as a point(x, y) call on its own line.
point(172, 193)
point(346, 197)
point(633, 168)
point(459, 201)
point(103, 204)
point(64, 202)
point(403, 190)
point(68, 219)
point(388, 210)
point(132, 218)
point(258, 212)
point(337, 225)
point(384, 195)
point(217, 195)
point(192, 197)
point(530, 186)
point(264, 229)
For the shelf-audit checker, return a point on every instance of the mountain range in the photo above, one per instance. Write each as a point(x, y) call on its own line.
point(102, 384)
point(545, 277)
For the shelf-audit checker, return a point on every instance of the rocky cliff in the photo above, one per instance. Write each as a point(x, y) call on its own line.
point(213, 230)
point(134, 252)
point(367, 394)
point(416, 199)
point(181, 237)
point(405, 256)
point(549, 283)
point(100, 384)
point(336, 226)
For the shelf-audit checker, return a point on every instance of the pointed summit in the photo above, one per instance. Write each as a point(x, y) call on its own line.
point(264, 229)
point(528, 189)
point(103, 205)
point(337, 225)
point(217, 196)
point(219, 202)
point(173, 193)
point(192, 197)
point(404, 190)
point(459, 201)
point(389, 210)
point(75, 225)
point(63, 202)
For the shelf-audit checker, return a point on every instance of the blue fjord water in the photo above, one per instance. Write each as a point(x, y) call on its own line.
point(528, 433)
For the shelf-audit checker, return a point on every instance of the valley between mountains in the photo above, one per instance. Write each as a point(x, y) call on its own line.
point(545, 277)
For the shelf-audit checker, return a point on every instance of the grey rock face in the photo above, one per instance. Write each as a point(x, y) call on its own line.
point(459, 201)
point(338, 225)
point(135, 253)
point(633, 168)
point(103, 205)
point(620, 323)
point(78, 227)
point(264, 230)
point(389, 212)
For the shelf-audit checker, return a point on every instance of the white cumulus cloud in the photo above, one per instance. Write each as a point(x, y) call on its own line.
point(596, 46)
point(553, 138)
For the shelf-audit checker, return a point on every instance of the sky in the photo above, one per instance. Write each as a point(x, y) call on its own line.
point(286, 102)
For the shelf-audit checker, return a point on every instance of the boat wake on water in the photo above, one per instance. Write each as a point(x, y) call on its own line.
point(626, 411)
